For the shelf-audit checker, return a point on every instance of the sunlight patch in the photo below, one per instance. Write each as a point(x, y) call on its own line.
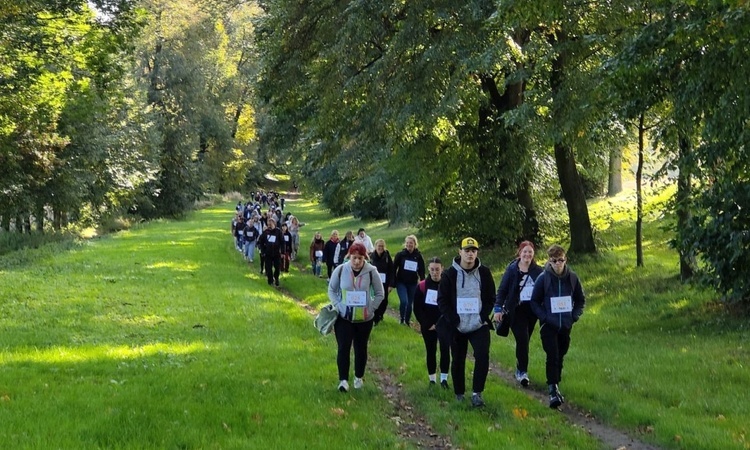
point(81, 354)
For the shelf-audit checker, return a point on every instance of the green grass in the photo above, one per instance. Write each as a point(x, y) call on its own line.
point(162, 337)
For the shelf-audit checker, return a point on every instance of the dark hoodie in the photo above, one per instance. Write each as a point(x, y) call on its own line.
point(550, 285)
point(408, 276)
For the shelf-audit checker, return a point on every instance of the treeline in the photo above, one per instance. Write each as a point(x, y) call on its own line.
point(114, 107)
point(479, 115)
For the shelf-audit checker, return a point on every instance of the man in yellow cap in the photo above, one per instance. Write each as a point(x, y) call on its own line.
point(466, 296)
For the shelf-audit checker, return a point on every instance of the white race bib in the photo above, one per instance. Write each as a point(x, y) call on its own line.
point(467, 305)
point(561, 304)
point(271, 239)
point(355, 298)
point(430, 298)
point(286, 238)
point(318, 253)
point(382, 277)
point(410, 266)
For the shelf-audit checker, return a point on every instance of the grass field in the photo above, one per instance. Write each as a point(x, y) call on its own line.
point(162, 337)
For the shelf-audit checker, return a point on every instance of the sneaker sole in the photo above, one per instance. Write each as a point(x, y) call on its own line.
point(524, 383)
point(556, 404)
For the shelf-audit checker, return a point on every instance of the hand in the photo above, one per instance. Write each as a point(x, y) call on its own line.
point(498, 317)
point(432, 328)
point(378, 318)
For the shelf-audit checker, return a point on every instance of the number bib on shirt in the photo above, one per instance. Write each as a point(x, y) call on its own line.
point(467, 305)
point(410, 266)
point(526, 290)
point(561, 304)
point(355, 298)
point(430, 298)
point(382, 277)
point(271, 239)
point(318, 253)
point(286, 238)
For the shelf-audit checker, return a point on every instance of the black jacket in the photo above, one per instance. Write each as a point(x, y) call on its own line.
point(408, 276)
point(550, 285)
point(427, 315)
point(275, 248)
point(508, 294)
point(384, 264)
point(447, 293)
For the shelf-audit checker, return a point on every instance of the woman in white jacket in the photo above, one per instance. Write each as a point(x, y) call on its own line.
point(356, 291)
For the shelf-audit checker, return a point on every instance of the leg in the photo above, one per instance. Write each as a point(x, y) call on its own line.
point(430, 345)
point(458, 365)
point(520, 329)
point(361, 337)
point(563, 344)
point(411, 290)
point(480, 342)
point(344, 337)
point(269, 269)
point(403, 300)
point(276, 267)
point(550, 346)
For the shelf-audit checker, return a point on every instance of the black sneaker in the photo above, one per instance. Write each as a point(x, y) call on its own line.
point(277, 282)
point(459, 397)
point(444, 384)
point(476, 400)
point(555, 397)
point(432, 383)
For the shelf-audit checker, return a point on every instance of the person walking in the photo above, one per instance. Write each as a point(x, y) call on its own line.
point(286, 256)
point(381, 259)
point(317, 247)
point(329, 252)
point(427, 313)
point(512, 303)
point(409, 270)
point(364, 239)
point(356, 291)
point(466, 295)
point(558, 301)
point(272, 244)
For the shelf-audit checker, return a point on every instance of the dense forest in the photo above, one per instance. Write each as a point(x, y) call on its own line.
point(480, 115)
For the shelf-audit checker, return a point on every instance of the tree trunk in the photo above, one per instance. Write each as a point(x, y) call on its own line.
point(6, 222)
point(687, 258)
point(614, 186)
point(581, 233)
point(639, 197)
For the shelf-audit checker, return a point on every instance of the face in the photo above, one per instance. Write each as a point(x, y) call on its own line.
point(436, 269)
point(380, 247)
point(271, 224)
point(410, 245)
point(334, 236)
point(558, 263)
point(362, 234)
point(317, 236)
point(527, 254)
point(468, 256)
point(357, 261)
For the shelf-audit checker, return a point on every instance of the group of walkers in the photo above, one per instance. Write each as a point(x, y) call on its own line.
point(454, 307)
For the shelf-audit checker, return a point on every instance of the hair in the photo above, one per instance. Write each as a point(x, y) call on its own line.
point(411, 236)
point(360, 230)
point(334, 233)
point(434, 260)
point(359, 249)
point(555, 251)
point(523, 245)
point(349, 234)
point(379, 241)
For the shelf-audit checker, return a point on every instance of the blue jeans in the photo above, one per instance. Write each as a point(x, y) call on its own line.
point(249, 250)
point(316, 266)
point(406, 300)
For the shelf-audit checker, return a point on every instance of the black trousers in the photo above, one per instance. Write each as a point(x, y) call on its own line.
point(348, 334)
point(524, 321)
point(480, 342)
point(555, 344)
point(431, 345)
point(273, 265)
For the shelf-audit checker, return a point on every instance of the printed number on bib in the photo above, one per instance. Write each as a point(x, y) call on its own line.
point(467, 305)
point(430, 297)
point(355, 298)
point(561, 304)
point(410, 266)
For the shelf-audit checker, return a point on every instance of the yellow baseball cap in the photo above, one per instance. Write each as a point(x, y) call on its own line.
point(469, 242)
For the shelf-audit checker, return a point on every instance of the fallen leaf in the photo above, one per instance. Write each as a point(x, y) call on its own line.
point(338, 411)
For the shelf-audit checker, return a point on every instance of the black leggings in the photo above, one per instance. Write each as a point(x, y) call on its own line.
point(431, 345)
point(522, 326)
point(348, 333)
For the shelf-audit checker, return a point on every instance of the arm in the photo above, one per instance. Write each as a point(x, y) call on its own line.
point(502, 293)
point(579, 301)
point(419, 296)
point(379, 291)
point(421, 268)
point(537, 299)
point(334, 287)
point(446, 299)
point(488, 295)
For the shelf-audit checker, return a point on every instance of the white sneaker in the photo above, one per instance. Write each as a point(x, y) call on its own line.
point(344, 386)
point(358, 382)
